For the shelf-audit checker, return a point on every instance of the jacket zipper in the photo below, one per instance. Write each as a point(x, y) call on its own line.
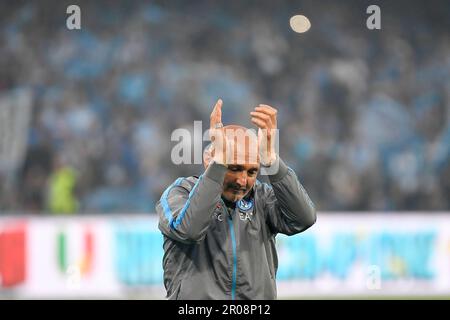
point(233, 242)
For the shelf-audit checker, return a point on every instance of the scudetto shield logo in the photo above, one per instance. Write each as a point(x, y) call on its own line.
point(84, 261)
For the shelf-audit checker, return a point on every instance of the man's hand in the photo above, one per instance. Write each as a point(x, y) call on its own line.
point(217, 134)
point(265, 118)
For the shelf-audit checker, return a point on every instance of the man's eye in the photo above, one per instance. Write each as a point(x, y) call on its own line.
point(251, 173)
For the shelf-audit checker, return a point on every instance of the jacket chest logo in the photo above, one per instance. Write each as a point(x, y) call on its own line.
point(244, 205)
point(245, 209)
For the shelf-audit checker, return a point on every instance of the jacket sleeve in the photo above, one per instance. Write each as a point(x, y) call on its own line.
point(289, 208)
point(185, 216)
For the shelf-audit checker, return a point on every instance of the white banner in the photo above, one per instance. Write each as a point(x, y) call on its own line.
point(363, 254)
point(358, 254)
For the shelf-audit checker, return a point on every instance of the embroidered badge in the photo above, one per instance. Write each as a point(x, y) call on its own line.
point(245, 205)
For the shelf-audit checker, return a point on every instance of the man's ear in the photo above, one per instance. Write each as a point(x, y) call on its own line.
point(208, 155)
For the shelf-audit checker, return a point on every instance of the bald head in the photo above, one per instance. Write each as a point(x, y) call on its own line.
point(242, 146)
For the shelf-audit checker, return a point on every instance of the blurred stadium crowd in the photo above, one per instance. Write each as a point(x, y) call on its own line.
point(364, 116)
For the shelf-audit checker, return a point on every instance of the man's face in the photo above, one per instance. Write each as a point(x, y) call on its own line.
point(239, 180)
point(243, 162)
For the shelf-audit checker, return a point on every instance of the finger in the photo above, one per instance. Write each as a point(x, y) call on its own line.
point(260, 123)
point(267, 111)
point(216, 114)
point(261, 115)
point(266, 106)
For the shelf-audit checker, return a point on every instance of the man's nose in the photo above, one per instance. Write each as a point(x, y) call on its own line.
point(242, 180)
